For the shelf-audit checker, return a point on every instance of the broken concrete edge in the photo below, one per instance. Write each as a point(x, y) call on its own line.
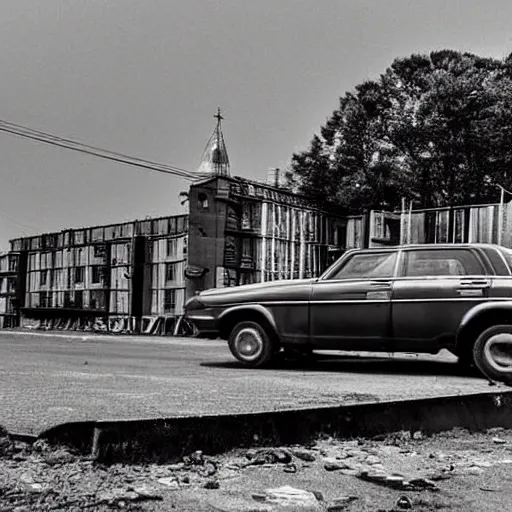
point(163, 440)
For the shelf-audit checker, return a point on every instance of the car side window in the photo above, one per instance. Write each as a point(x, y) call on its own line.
point(369, 265)
point(451, 262)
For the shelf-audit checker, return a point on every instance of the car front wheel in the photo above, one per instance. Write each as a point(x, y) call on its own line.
point(250, 344)
point(492, 353)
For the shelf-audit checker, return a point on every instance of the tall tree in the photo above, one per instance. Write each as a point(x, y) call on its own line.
point(434, 128)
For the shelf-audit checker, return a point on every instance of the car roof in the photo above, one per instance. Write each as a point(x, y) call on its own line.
point(434, 246)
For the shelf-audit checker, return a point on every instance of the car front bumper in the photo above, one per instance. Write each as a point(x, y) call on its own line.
point(204, 321)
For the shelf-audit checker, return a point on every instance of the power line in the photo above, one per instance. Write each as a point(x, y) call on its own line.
point(13, 221)
point(47, 138)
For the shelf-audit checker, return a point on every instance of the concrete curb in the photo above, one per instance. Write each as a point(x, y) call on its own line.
point(168, 439)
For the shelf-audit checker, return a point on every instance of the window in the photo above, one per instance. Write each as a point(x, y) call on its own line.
point(170, 271)
point(99, 251)
point(442, 262)
point(96, 274)
point(368, 265)
point(172, 247)
point(45, 299)
point(11, 284)
point(44, 278)
point(202, 201)
point(169, 301)
point(97, 300)
point(79, 274)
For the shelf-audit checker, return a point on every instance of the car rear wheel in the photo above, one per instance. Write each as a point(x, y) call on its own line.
point(251, 344)
point(492, 353)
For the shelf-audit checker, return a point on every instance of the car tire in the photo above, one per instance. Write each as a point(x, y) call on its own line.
point(492, 353)
point(250, 343)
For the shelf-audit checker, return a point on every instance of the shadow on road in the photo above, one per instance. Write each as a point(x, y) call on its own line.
point(361, 364)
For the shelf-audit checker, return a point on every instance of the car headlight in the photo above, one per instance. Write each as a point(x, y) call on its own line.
point(194, 304)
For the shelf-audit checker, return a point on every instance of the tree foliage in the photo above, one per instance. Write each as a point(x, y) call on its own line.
point(436, 129)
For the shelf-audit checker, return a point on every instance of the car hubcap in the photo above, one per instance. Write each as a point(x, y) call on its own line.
point(498, 352)
point(249, 344)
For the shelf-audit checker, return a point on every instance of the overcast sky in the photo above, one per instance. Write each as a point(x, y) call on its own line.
point(144, 77)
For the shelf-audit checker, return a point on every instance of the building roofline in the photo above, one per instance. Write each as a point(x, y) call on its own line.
point(97, 226)
point(241, 179)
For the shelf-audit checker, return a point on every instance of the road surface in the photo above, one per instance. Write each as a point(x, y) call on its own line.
point(47, 379)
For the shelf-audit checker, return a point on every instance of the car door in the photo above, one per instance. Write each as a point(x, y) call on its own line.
point(436, 287)
point(350, 308)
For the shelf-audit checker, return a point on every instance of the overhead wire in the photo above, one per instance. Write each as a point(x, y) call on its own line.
point(47, 138)
point(18, 223)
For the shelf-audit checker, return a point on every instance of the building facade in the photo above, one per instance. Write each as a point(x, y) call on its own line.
point(110, 275)
point(8, 289)
point(243, 232)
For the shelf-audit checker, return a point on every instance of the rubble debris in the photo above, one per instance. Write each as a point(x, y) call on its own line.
point(170, 481)
point(288, 496)
point(59, 456)
point(404, 502)
point(304, 455)
point(335, 465)
point(212, 484)
point(270, 456)
point(397, 481)
point(495, 430)
point(290, 468)
point(372, 459)
point(341, 503)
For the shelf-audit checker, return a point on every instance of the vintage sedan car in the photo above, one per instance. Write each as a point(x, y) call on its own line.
point(420, 298)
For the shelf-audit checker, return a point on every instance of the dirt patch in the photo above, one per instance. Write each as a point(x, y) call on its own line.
point(455, 471)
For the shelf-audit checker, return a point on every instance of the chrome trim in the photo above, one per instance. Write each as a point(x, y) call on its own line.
point(457, 299)
point(351, 301)
point(412, 278)
point(366, 301)
point(399, 259)
point(199, 317)
point(452, 278)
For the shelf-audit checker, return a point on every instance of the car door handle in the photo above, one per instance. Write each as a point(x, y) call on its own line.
point(475, 283)
point(380, 284)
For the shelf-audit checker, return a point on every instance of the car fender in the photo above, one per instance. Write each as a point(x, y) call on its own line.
point(480, 309)
point(248, 307)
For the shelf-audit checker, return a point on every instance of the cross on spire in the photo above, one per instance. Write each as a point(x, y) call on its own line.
point(215, 158)
point(218, 115)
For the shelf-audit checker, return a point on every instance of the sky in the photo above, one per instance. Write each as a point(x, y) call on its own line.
point(145, 78)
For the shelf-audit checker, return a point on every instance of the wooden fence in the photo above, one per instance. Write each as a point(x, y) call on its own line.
point(491, 223)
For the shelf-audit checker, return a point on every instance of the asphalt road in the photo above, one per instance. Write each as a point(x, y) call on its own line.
point(47, 379)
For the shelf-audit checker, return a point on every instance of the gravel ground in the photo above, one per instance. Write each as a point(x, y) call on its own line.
point(456, 471)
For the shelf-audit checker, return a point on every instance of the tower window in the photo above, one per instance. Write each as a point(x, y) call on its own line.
point(202, 201)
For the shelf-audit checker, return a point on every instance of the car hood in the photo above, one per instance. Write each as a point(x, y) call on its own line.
point(257, 287)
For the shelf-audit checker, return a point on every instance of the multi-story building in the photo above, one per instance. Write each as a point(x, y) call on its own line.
point(242, 231)
point(113, 273)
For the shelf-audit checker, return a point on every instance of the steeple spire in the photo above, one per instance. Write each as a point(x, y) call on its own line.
point(215, 158)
